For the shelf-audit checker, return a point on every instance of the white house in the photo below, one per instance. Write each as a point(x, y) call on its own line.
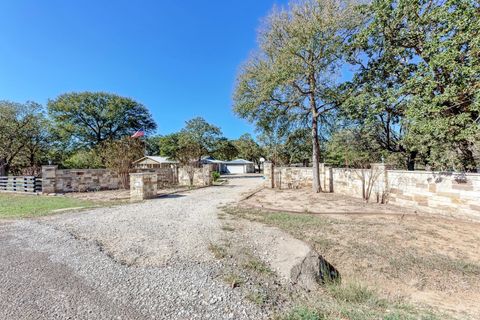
point(151, 162)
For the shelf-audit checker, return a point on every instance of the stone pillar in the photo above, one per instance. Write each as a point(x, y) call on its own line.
point(49, 179)
point(328, 174)
point(267, 173)
point(207, 171)
point(143, 186)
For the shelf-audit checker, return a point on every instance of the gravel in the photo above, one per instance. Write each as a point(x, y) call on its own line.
point(140, 261)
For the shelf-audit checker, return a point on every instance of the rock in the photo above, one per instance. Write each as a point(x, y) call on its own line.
point(312, 271)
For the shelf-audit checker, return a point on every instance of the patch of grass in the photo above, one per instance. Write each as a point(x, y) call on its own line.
point(218, 251)
point(303, 313)
point(259, 298)
point(257, 266)
point(233, 280)
point(23, 206)
point(354, 293)
point(228, 228)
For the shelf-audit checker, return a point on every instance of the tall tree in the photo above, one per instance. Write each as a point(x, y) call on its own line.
point(294, 72)
point(21, 133)
point(204, 135)
point(422, 60)
point(89, 118)
point(119, 156)
point(168, 145)
point(249, 149)
point(298, 146)
point(225, 149)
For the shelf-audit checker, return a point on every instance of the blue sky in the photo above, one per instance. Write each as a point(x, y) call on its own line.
point(179, 58)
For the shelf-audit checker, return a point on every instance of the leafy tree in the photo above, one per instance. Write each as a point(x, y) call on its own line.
point(152, 145)
point(22, 135)
point(89, 118)
point(84, 159)
point(202, 135)
point(298, 146)
point(292, 74)
point(119, 156)
point(225, 150)
point(168, 145)
point(352, 148)
point(421, 60)
point(249, 149)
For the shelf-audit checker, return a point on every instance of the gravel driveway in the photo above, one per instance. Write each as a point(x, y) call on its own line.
point(140, 261)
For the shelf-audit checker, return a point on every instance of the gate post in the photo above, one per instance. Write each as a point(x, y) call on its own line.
point(49, 179)
point(143, 186)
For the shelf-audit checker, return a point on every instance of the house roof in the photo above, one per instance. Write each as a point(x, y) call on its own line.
point(157, 159)
point(239, 161)
point(209, 159)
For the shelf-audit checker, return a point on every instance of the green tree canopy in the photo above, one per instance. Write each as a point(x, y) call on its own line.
point(23, 135)
point(248, 148)
point(419, 65)
point(225, 149)
point(89, 118)
point(292, 75)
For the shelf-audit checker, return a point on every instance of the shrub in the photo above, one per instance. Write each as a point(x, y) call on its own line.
point(215, 176)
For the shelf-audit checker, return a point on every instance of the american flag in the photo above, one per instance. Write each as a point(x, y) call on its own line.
point(138, 134)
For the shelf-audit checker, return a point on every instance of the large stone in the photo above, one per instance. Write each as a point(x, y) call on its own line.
point(313, 270)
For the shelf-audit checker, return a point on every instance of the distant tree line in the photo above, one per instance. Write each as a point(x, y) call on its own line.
point(94, 129)
point(76, 130)
point(412, 97)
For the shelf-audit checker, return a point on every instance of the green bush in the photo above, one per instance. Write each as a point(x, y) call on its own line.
point(215, 176)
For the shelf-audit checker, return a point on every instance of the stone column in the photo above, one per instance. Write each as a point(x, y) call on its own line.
point(143, 186)
point(267, 173)
point(328, 174)
point(49, 179)
point(207, 175)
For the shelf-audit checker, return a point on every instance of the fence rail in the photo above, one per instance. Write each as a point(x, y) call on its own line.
point(22, 184)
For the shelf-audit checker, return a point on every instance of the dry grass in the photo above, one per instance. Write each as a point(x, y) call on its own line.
point(426, 262)
point(219, 252)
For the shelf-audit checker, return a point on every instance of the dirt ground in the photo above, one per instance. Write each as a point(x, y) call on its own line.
point(427, 260)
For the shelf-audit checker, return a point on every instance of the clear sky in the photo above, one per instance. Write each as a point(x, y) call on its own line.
point(178, 58)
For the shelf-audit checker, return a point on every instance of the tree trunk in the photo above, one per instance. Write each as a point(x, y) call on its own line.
point(316, 156)
point(411, 161)
point(3, 171)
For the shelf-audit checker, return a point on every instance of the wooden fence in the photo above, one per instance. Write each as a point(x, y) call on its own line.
point(28, 184)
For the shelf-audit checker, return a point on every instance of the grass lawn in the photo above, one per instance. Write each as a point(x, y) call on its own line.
point(23, 206)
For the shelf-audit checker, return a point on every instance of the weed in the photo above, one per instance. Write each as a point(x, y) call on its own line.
point(257, 266)
point(303, 313)
point(233, 280)
point(228, 228)
point(219, 252)
point(352, 293)
point(258, 298)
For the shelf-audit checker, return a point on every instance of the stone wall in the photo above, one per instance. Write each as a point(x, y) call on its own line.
point(56, 180)
point(201, 176)
point(165, 176)
point(436, 192)
point(455, 194)
point(296, 177)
